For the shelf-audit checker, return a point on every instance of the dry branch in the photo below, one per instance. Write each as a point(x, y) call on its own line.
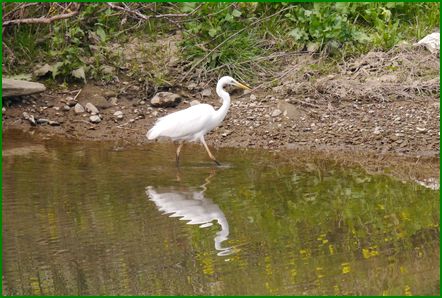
point(41, 20)
point(145, 17)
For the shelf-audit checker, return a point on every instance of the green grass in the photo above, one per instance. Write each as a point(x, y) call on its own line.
point(220, 38)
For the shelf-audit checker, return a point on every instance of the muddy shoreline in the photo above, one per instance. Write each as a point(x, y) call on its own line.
point(382, 106)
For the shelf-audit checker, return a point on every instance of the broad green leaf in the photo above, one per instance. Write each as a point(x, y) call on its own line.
point(100, 32)
point(212, 32)
point(236, 13)
point(297, 34)
point(229, 18)
point(55, 69)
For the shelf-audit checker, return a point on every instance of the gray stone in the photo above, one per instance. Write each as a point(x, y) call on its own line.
point(94, 95)
point(206, 92)
point(66, 108)
point(30, 118)
point(95, 119)
point(113, 101)
point(90, 108)
point(79, 109)
point(12, 87)
point(109, 93)
point(54, 123)
point(191, 86)
point(252, 97)
point(42, 121)
point(276, 113)
point(71, 102)
point(119, 114)
point(165, 99)
point(226, 133)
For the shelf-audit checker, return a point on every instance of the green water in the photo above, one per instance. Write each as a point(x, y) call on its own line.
point(98, 219)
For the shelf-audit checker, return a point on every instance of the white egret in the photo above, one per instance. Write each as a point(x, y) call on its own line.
point(193, 123)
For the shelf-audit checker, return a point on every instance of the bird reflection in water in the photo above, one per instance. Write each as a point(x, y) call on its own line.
point(195, 208)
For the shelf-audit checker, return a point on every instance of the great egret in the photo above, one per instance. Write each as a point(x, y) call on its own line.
point(193, 123)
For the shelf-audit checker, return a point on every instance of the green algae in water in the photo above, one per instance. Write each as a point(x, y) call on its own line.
point(78, 219)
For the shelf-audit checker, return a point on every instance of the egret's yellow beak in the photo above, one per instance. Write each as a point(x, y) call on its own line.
point(242, 86)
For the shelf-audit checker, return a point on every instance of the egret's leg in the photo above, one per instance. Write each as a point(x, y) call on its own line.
point(208, 151)
point(178, 150)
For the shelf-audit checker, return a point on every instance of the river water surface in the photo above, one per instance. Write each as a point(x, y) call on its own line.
point(96, 219)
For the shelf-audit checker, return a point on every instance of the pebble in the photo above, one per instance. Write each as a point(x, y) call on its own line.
point(421, 129)
point(110, 93)
point(226, 133)
point(118, 114)
point(3, 110)
point(78, 109)
point(66, 108)
point(91, 109)
point(95, 119)
point(252, 97)
point(142, 102)
point(191, 86)
point(30, 118)
point(113, 101)
point(377, 130)
point(71, 102)
point(134, 88)
point(54, 123)
point(42, 121)
point(206, 92)
point(165, 99)
point(276, 113)
point(57, 108)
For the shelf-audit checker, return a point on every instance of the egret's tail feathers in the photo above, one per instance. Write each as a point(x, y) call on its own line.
point(152, 133)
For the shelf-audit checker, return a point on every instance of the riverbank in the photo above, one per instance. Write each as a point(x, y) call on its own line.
point(381, 104)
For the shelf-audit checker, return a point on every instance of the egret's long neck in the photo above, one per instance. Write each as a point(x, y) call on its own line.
point(222, 111)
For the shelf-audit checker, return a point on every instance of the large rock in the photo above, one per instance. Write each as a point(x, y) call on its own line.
point(11, 87)
point(95, 119)
point(78, 109)
point(94, 95)
point(165, 99)
point(90, 108)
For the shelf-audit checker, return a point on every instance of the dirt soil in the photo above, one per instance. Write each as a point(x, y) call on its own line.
point(380, 104)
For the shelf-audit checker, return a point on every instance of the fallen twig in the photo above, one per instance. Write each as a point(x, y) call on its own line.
point(78, 93)
point(145, 17)
point(41, 20)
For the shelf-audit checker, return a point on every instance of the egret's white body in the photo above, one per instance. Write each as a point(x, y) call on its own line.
point(193, 123)
point(187, 125)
